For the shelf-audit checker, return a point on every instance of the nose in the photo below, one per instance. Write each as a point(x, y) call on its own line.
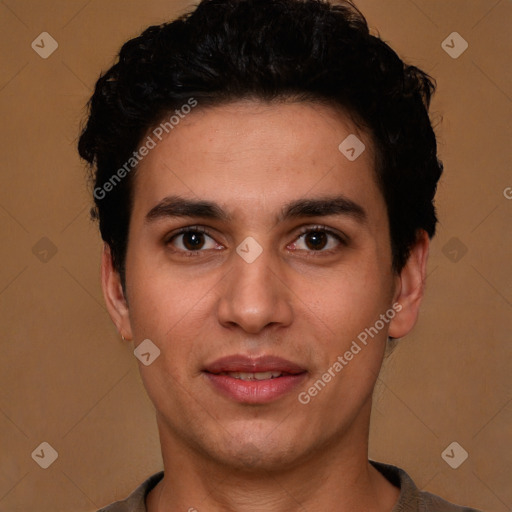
point(255, 295)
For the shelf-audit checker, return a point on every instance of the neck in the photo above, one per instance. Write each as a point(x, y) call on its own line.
point(337, 477)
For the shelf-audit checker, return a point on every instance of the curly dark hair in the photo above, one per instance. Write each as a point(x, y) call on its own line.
point(270, 50)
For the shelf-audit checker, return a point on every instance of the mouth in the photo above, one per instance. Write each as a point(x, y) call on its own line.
point(252, 380)
point(254, 376)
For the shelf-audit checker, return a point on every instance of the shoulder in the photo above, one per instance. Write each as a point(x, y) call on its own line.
point(136, 501)
point(432, 503)
point(412, 499)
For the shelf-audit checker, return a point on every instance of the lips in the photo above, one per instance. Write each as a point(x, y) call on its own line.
point(254, 380)
point(239, 363)
point(254, 375)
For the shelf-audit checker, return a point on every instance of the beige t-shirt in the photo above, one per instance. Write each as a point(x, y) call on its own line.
point(411, 499)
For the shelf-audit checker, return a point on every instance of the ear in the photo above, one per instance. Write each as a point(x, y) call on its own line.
point(410, 288)
point(114, 295)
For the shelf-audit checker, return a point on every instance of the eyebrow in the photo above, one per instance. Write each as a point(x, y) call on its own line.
point(177, 206)
point(323, 207)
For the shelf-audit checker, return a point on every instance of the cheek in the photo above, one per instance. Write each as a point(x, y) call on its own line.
point(175, 311)
point(162, 297)
point(173, 319)
point(349, 299)
point(351, 353)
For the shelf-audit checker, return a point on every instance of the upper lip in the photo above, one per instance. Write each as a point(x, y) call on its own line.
point(241, 363)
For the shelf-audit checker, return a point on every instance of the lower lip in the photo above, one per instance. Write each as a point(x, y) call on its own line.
point(255, 391)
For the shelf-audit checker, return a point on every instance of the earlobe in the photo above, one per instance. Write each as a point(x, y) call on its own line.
point(114, 295)
point(410, 289)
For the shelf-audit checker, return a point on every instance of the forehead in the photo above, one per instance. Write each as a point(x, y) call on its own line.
point(255, 156)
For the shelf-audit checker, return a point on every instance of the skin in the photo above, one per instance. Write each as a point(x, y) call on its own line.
point(305, 305)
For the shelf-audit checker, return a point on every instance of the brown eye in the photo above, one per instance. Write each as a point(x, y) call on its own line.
point(319, 239)
point(193, 241)
point(316, 240)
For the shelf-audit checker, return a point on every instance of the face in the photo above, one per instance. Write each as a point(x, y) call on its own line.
point(258, 254)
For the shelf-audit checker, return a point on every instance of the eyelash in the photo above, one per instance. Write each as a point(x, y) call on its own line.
point(310, 229)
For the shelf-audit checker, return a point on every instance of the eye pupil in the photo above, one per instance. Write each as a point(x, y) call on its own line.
point(318, 240)
point(193, 241)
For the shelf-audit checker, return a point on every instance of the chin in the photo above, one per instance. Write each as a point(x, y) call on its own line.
point(255, 452)
point(253, 459)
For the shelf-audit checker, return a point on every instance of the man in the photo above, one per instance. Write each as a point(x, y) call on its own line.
point(264, 175)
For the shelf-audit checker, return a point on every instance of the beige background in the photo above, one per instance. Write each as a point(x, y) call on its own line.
point(67, 379)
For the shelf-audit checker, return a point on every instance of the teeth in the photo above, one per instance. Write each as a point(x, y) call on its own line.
point(253, 376)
